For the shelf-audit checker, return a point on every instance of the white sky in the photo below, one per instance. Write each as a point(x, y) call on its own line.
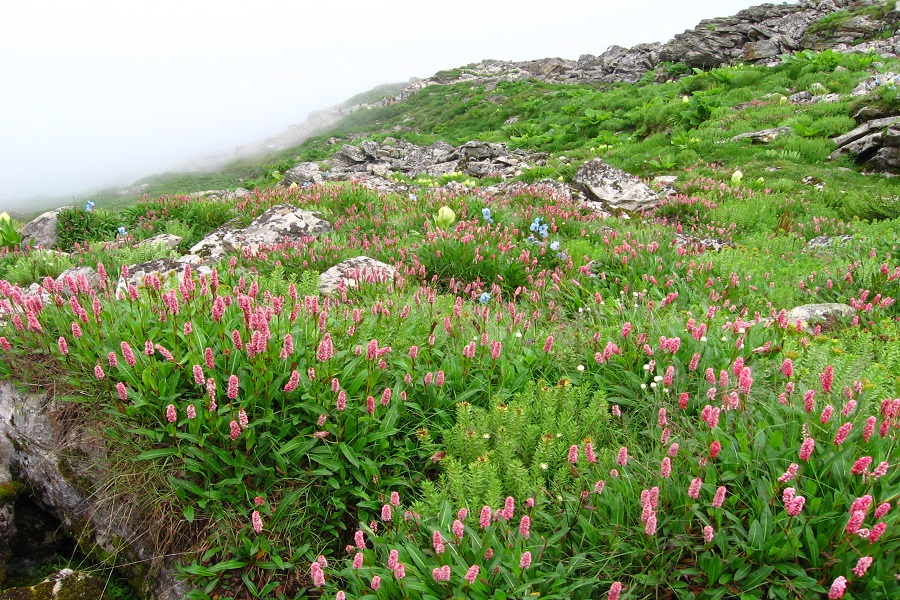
point(102, 92)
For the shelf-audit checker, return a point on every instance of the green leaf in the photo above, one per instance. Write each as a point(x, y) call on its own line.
point(188, 512)
point(157, 453)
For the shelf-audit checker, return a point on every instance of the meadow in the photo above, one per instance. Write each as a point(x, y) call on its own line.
point(544, 402)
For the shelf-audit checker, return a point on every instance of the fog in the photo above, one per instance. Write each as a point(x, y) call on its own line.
point(100, 93)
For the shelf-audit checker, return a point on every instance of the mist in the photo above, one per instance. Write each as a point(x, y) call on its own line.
point(99, 94)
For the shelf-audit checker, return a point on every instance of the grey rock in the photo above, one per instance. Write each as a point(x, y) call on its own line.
point(41, 232)
point(827, 241)
point(64, 470)
point(164, 239)
point(83, 278)
point(614, 188)
point(170, 273)
point(353, 153)
point(803, 97)
point(764, 136)
point(65, 584)
point(281, 223)
point(825, 314)
point(702, 243)
point(353, 271)
point(875, 145)
point(304, 173)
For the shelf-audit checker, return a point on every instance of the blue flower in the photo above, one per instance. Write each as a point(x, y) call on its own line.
point(484, 298)
point(486, 215)
point(562, 256)
point(413, 197)
point(89, 206)
point(121, 231)
point(544, 231)
point(530, 239)
point(554, 246)
point(536, 225)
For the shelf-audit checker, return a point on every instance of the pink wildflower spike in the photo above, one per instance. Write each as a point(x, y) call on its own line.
point(63, 345)
point(509, 508)
point(665, 469)
point(472, 574)
point(462, 514)
point(525, 561)
point(855, 522)
point(370, 405)
point(838, 588)
point(191, 411)
point(826, 378)
point(877, 531)
point(122, 390)
point(841, 436)
point(293, 382)
point(232, 387)
point(340, 595)
point(862, 566)
point(863, 503)
point(573, 454)
point(883, 509)
point(589, 453)
point(806, 449)
point(458, 529)
point(359, 538)
point(393, 559)
point(673, 450)
point(869, 428)
point(98, 372)
point(243, 420)
point(719, 498)
point(808, 400)
point(485, 519)
point(708, 534)
point(395, 499)
point(694, 488)
point(376, 583)
point(386, 512)
point(598, 487)
point(235, 430)
point(661, 419)
point(614, 591)
point(622, 458)
point(616, 411)
point(171, 414)
point(789, 474)
point(208, 356)
point(714, 449)
point(881, 470)
point(826, 414)
point(650, 528)
point(861, 465)
point(257, 522)
point(787, 368)
point(525, 526)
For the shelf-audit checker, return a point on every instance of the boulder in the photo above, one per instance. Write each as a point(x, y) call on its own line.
point(168, 271)
point(763, 136)
point(65, 584)
point(41, 232)
point(353, 271)
point(64, 470)
point(613, 187)
point(304, 173)
point(827, 314)
point(83, 278)
point(281, 223)
point(828, 241)
point(164, 239)
point(875, 145)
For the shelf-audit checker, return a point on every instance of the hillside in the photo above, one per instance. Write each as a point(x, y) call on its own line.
point(616, 327)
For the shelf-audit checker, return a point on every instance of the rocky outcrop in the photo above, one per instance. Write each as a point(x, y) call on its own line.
point(303, 174)
point(41, 232)
point(63, 469)
point(164, 239)
point(353, 271)
point(827, 315)
point(874, 145)
point(65, 584)
point(279, 224)
point(474, 158)
point(615, 189)
point(764, 136)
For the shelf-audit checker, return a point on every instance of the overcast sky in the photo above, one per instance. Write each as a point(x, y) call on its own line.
point(101, 92)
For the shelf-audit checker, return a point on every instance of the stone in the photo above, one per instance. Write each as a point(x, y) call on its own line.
point(41, 232)
point(874, 145)
point(827, 241)
point(170, 273)
point(281, 223)
point(614, 188)
point(84, 278)
point(764, 136)
point(304, 173)
point(65, 584)
point(828, 315)
point(704, 243)
point(64, 470)
point(168, 240)
point(353, 271)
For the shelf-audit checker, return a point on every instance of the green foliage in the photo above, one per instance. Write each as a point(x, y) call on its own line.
point(79, 226)
point(36, 265)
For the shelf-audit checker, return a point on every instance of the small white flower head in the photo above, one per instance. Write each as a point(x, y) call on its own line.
point(643, 386)
point(580, 367)
point(544, 466)
point(486, 436)
point(724, 339)
point(703, 339)
point(741, 330)
point(558, 435)
point(653, 384)
point(519, 334)
point(647, 367)
point(658, 378)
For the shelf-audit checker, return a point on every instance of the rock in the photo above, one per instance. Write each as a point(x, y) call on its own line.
point(613, 187)
point(280, 224)
point(304, 173)
point(666, 180)
point(168, 271)
point(41, 232)
point(164, 239)
point(704, 243)
point(762, 50)
point(827, 241)
point(353, 153)
point(65, 584)
point(829, 315)
point(63, 468)
point(764, 136)
point(875, 145)
point(804, 97)
point(353, 271)
point(82, 278)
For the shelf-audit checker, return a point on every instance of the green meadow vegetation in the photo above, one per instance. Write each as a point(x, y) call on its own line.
point(545, 403)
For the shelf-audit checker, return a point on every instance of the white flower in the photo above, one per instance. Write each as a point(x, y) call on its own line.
point(544, 466)
point(653, 384)
point(643, 386)
point(647, 367)
point(703, 338)
point(559, 435)
point(741, 330)
point(724, 339)
point(518, 334)
point(580, 367)
point(658, 378)
point(486, 436)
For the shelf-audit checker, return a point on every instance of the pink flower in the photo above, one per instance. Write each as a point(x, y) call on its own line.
point(826, 378)
point(673, 450)
point(789, 474)
point(525, 561)
point(598, 487)
point(806, 449)
point(714, 449)
point(376, 583)
point(485, 518)
point(235, 430)
point(622, 458)
point(614, 590)
point(257, 522)
point(63, 345)
point(462, 514)
point(358, 560)
point(695, 361)
point(439, 379)
point(472, 574)
point(826, 414)
point(171, 415)
point(589, 453)
point(795, 506)
point(838, 588)
point(862, 566)
point(393, 558)
point(719, 497)
point(665, 469)
point(395, 499)
point(694, 489)
point(573, 454)
point(489, 554)
point(708, 533)
point(841, 436)
point(232, 387)
point(370, 405)
point(787, 367)
point(808, 400)
point(341, 403)
point(259, 501)
point(98, 372)
point(616, 411)
point(863, 503)
point(386, 512)
point(661, 419)
point(509, 508)
point(650, 528)
point(861, 465)
point(458, 529)
point(208, 356)
point(855, 522)
point(340, 595)
point(548, 344)
point(883, 509)
point(877, 531)
point(869, 429)
point(122, 390)
point(525, 526)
